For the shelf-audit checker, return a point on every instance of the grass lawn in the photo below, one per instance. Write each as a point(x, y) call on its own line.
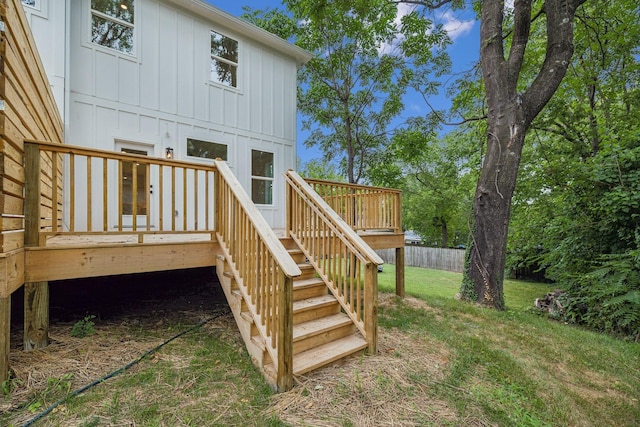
point(441, 362)
point(425, 283)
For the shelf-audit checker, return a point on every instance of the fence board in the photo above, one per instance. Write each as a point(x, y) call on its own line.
point(420, 256)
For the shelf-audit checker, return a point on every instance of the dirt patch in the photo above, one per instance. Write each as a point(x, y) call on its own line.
point(131, 315)
point(390, 388)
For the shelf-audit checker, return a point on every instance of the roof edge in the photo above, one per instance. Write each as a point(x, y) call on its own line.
point(254, 32)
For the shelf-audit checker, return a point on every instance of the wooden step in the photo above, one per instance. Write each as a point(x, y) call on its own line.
point(325, 354)
point(314, 308)
point(307, 270)
point(317, 332)
point(297, 255)
point(308, 288)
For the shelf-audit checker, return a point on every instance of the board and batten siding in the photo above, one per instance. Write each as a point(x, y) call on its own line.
point(162, 94)
point(420, 256)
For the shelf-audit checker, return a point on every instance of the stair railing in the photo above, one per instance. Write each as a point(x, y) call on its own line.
point(262, 269)
point(363, 207)
point(344, 261)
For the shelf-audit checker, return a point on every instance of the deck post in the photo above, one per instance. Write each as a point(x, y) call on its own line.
point(36, 295)
point(400, 272)
point(371, 306)
point(285, 335)
point(5, 331)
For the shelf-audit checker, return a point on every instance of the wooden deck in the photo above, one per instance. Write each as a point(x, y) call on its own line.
point(302, 298)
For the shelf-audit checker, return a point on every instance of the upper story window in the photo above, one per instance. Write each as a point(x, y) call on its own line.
point(206, 149)
point(224, 60)
point(261, 177)
point(31, 3)
point(112, 24)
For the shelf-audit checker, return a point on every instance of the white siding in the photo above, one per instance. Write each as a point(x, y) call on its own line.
point(162, 95)
point(47, 26)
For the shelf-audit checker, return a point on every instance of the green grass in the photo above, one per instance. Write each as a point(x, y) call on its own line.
point(509, 368)
point(426, 284)
point(516, 367)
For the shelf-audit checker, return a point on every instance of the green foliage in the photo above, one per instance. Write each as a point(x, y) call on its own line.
point(608, 298)
point(9, 384)
point(320, 169)
point(350, 94)
point(576, 212)
point(83, 327)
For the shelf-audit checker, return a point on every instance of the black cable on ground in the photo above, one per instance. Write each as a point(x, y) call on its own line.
point(120, 370)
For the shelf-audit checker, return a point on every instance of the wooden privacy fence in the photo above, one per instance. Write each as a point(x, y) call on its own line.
point(345, 262)
point(362, 207)
point(419, 256)
point(262, 269)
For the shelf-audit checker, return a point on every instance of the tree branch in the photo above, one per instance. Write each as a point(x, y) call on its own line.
point(560, 16)
point(427, 4)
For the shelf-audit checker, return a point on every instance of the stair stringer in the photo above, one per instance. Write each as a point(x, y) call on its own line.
point(246, 324)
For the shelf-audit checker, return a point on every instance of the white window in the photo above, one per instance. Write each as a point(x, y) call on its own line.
point(112, 24)
point(224, 60)
point(206, 149)
point(261, 177)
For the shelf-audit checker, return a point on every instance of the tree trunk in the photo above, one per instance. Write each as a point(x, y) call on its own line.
point(492, 209)
point(510, 113)
point(445, 233)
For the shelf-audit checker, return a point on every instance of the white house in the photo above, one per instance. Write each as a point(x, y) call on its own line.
point(173, 77)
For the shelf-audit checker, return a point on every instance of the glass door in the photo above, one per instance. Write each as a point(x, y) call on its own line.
point(136, 189)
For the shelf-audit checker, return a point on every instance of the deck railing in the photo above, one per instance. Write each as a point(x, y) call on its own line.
point(362, 207)
point(346, 263)
point(175, 198)
point(110, 193)
point(262, 269)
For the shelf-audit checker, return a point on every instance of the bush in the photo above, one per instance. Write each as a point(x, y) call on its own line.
point(608, 298)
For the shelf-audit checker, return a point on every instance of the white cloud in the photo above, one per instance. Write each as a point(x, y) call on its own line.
point(454, 26)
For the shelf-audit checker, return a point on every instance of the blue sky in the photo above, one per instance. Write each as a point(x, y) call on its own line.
point(464, 52)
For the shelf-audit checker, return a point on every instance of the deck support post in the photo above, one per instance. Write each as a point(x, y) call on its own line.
point(284, 380)
point(36, 295)
point(400, 272)
point(36, 315)
point(5, 331)
point(371, 306)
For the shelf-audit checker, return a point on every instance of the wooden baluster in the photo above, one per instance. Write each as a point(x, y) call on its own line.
point(89, 185)
point(105, 199)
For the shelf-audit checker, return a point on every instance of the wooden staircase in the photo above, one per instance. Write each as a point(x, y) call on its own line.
point(322, 332)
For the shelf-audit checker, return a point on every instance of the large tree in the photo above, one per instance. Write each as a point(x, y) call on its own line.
point(513, 100)
point(366, 59)
point(512, 105)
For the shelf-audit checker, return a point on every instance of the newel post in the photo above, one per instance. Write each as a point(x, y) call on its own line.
point(285, 334)
point(371, 306)
point(36, 294)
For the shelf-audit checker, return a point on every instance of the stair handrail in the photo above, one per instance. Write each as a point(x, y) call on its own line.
point(362, 311)
point(262, 269)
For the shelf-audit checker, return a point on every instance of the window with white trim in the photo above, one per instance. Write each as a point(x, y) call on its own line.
point(31, 3)
point(206, 149)
point(224, 59)
point(112, 24)
point(261, 177)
